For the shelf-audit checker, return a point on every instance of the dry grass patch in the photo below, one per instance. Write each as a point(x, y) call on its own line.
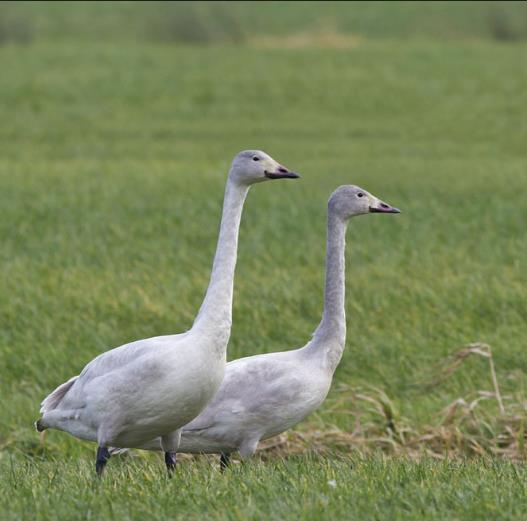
point(465, 427)
point(321, 38)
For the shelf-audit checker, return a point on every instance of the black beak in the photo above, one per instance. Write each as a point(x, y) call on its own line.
point(384, 208)
point(282, 173)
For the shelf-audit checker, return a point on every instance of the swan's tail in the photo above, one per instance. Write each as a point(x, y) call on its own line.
point(52, 401)
point(39, 425)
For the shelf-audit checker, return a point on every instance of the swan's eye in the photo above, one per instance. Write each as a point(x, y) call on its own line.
point(360, 194)
point(256, 158)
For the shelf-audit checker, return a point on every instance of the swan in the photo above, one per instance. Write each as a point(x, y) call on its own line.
point(152, 387)
point(264, 395)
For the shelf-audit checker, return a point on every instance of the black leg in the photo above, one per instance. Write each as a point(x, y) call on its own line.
point(225, 459)
point(170, 460)
point(103, 455)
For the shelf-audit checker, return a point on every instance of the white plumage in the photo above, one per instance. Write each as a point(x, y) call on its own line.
point(264, 395)
point(152, 387)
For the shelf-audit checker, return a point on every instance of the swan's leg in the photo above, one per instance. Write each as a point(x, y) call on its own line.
point(248, 448)
point(103, 455)
point(225, 459)
point(170, 444)
point(170, 462)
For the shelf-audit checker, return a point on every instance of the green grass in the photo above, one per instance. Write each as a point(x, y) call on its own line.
point(308, 488)
point(113, 158)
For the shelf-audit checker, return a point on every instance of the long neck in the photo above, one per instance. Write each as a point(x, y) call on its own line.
point(330, 336)
point(215, 313)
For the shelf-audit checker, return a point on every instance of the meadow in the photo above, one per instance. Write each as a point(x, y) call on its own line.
point(114, 149)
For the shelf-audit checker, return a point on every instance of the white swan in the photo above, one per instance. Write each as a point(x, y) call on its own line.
point(264, 395)
point(151, 388)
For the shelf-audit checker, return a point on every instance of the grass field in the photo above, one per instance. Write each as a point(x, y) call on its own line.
point(308, 488)
point(113, 157)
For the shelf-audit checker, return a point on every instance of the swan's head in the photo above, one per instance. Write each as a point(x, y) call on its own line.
point(255, 166)
point(349, 200)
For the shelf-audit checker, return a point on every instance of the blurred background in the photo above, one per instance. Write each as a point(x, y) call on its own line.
point(245, 22)
point(118, 124)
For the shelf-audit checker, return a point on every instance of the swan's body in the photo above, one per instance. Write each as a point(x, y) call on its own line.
point(151, 388)
point(124, 395)
point(260, 397)
point(264, 395)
